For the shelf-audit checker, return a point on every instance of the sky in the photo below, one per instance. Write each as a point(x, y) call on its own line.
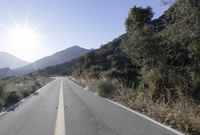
point(32, 29)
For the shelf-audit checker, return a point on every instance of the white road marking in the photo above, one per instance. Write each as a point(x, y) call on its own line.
point(137, 113)
point(147, 118)
point(60, 120)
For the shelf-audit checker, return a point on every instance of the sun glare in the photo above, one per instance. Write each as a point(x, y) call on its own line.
point(24, 41)
point(23, 37)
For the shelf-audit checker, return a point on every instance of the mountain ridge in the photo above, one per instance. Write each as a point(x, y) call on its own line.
point(54, 59)
point(11, 61)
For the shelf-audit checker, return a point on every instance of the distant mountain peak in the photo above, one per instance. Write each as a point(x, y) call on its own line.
point(11, 61)
point(55, 59)
point(75, 47)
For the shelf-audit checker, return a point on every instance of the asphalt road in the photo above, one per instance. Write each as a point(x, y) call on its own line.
point(64, 108)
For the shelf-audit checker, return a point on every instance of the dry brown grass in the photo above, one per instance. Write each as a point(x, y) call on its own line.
point(184, 114)
point(16, 88)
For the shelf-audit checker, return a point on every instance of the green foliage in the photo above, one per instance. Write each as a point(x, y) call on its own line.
point(26, 93)
point(142, 39)
point(13, 97)
point(2, 94)
point(169, 58)
point(110, 58)
point(61, 69)
point(96, 68)
point(138, 17)
point(105, 88)
point(2, 103)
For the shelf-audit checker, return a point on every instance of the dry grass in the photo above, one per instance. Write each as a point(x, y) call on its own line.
point(14, 89)
point(184, 114)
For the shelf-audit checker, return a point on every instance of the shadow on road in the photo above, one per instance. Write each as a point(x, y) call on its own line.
point(11, 106)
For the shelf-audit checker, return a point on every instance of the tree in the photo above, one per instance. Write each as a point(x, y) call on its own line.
point(142, 45)
point(138, 17)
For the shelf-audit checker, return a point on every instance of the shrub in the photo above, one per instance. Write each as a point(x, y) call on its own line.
point(2, 103)
point(34, 87)
point(2, 95)
point(26, 93)
point(2, 92)
point(13, 97)
point(96, 68)
point(105, 88)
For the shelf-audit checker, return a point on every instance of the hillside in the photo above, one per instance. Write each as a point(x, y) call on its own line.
point(55, 59)
point(5, 72)
point(154, 68)
point(8, 60)
point(109, 57)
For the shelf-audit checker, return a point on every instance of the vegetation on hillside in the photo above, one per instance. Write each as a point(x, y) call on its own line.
point(169, 59)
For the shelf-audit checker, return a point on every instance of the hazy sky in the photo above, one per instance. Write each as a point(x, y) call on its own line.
point(59, 24)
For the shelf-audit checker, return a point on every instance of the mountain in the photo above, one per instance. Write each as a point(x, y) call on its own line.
point(55, 59)
point(108, 57)
point(5, 72)
point(8, 60)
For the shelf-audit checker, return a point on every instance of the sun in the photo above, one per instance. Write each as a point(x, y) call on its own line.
point(24, 41)
point(25, 37)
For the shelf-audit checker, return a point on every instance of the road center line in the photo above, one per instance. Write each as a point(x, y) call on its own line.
point(60, 119)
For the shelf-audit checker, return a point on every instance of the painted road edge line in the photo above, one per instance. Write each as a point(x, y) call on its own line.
point(60, 119)
point(24, 99)
point(135, 112)
point(147, 118)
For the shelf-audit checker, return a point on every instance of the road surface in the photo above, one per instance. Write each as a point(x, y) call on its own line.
point(64, 108)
